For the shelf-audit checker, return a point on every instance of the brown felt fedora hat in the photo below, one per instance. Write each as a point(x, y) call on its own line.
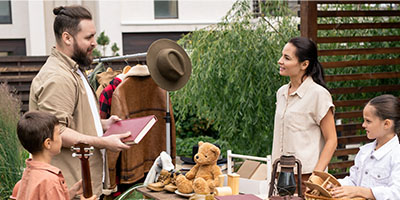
point(169, 65)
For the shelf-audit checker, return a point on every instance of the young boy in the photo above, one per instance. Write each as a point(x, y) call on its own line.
point(39, 134)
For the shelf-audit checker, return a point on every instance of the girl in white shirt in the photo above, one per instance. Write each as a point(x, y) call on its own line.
point(376, 170)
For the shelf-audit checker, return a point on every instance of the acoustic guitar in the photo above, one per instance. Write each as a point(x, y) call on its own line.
point(83, 152)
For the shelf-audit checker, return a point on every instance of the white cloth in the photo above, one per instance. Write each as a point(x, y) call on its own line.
point(378, 170)
point(138, 70)
point(93, 105)
point(163, 161)
point(96, 116)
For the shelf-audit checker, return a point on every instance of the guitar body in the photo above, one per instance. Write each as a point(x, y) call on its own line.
point(83, 152)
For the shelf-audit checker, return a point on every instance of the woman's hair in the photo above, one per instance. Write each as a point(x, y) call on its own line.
point(387, 107)
point(307, 50)
point(34, 128)
point(68, 19)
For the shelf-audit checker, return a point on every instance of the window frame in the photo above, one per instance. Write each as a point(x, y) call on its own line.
point(166, 17)
point(10, 14)
point(13, 47)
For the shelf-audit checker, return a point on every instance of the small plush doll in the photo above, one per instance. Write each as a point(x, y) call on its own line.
point(203, 177)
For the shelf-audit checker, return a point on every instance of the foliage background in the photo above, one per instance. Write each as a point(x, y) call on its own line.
point(235, 76)
point(12, 155)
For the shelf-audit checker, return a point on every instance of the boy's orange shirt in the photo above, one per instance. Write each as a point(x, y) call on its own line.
point(42, 181)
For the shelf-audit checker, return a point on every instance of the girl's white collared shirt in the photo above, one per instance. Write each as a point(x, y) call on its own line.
point(378, 170)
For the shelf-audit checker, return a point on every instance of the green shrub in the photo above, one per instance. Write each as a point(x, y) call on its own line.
point(193, 126)
point(235, 75)
point(12, 155)
point(184, 146)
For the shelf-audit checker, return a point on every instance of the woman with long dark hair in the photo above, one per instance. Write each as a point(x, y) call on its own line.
point(304, 123)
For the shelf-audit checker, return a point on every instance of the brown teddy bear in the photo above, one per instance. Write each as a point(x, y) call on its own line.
point(203, 177)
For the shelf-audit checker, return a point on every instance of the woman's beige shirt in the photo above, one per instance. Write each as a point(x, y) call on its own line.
point(297, 123)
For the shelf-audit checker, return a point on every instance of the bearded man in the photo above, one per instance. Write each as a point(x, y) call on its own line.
point(61, 88)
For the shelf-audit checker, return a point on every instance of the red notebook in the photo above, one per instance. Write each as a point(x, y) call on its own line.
point(137, 126)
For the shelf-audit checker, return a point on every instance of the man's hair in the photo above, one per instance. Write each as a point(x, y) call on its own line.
point(34, 128)
point(68, 19)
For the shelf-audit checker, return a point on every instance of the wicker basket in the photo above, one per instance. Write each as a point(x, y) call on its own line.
point(309, 196)
point(318, 182)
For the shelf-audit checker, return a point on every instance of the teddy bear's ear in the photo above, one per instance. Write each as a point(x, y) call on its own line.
point(215, 150)
point(200, 143)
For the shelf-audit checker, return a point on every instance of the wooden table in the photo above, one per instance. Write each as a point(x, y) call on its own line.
point(172, 196)
point(163, 195)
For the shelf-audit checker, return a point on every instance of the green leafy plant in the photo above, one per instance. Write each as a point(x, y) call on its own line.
point(115, 49)
point(184, 146)
point(103, 40)
point(96, 53)
point(12, 155)
point(193, 126)
point(235, 75)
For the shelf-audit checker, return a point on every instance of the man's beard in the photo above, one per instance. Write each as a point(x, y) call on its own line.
point(81, 57)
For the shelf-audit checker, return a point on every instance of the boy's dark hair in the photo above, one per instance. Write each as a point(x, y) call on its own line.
point(34, 128)
point(68, 19)
point(387, 107)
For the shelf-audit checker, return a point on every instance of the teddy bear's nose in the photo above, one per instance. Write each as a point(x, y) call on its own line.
point(197, 157)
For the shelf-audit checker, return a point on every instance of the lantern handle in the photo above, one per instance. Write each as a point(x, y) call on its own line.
point(300, 192)
point(273, 177)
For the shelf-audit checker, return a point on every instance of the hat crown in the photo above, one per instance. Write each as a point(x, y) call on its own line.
point(170, 64)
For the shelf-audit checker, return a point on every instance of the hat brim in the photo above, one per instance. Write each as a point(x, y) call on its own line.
point(151, 60)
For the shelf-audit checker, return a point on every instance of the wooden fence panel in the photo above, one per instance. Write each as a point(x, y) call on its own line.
point(19, 71)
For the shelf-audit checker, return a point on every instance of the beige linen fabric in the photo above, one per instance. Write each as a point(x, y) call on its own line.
point(297, 119)
point(58, 89)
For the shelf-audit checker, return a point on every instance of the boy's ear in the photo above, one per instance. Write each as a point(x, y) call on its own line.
point(47, 143)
